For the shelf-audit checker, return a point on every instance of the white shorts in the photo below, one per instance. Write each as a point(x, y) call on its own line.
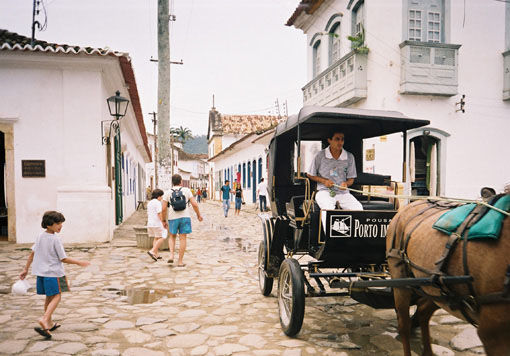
point(157, 232)
point(326, 202)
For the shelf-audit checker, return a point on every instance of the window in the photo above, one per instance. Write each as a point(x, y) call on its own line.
point(358, 19)
point(334, 43)
point(433, 27)
point(414, 25)
point(316, 58)
point(425, 20)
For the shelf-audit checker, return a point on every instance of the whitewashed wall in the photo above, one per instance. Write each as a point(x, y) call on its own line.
point(55, 104)
point(477, 144)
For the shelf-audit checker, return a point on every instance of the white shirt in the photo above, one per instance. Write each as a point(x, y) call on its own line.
point(153, 209)
point(48, 255)
point(262, 189)
point(172, 214)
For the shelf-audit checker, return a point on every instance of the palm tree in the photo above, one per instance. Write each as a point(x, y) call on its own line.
point(181, 134)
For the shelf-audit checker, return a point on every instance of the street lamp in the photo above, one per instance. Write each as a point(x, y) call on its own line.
point(117, 105)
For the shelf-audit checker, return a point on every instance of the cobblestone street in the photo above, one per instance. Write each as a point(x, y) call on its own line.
point(212, 306)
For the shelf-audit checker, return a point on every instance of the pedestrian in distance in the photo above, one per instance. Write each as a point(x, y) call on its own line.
point(199, 195)
point(262, 193)
point(177, 218)
point(48, 256)
point(226, 191)
point(238, 198)
point(204, 194)
point(155, 221)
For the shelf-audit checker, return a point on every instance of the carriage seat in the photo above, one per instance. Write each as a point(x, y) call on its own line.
point(294, 207)
point(372, 203)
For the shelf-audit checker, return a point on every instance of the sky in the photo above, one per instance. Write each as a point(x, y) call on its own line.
point(239, 50)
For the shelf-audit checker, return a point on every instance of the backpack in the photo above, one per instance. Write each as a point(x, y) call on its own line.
point(177, 200)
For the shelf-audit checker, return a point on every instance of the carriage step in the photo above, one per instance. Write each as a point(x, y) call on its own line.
point(397, 282)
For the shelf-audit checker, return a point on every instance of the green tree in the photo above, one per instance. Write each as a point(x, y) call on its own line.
point(181, 134)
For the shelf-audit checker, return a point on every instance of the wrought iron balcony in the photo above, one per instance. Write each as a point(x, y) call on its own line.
point(429, 68)
point(341, 84)
point(506, 75)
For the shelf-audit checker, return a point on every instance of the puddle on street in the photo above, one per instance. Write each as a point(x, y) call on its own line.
point(145, 295)
point(240, 244)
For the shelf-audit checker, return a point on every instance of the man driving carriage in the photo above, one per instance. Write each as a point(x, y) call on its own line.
point(334, 166)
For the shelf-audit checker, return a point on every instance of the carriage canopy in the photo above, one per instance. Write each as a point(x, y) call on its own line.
point(315, 122)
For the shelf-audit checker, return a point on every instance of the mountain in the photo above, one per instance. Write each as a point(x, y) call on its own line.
point(198, 144)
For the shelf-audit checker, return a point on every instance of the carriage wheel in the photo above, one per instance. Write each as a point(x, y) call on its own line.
point(291, 297)
point(265, 283)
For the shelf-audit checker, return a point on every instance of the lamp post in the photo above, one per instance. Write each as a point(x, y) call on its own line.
point(117, 105)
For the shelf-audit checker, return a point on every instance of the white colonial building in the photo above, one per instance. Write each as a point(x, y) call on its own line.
point(446, 61)
point(238, 150)
point(58, 148)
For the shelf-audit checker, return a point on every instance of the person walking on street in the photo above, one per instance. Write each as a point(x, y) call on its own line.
point(226, 191)
point(199, 195)
point(47, 255)
point(262, 192)
point(155, 222)
point(238, 198)
point(175, 211)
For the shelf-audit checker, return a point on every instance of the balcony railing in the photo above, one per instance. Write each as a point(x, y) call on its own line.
point(429, 68)
point(506, 75)
point(341, 84)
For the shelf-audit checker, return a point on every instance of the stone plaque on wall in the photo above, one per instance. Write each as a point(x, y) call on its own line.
point(33, 168)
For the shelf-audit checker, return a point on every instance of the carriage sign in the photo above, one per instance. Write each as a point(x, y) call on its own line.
point(354, 224)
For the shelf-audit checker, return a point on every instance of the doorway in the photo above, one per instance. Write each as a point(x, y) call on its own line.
point(425, 165)
point(3, 200)
point(254, 180)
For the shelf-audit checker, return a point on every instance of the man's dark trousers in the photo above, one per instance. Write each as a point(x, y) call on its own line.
point(262, 201)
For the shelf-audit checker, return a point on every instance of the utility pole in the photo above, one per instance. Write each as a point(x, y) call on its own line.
point(155, 121)
point(35, 11)
point(163, 138)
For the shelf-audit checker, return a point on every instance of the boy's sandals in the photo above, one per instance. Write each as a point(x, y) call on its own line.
point(43, 332)
point(181, 265)
point(171, 260)
point(152, 256)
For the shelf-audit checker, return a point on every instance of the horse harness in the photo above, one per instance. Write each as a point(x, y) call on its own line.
point(463, 303)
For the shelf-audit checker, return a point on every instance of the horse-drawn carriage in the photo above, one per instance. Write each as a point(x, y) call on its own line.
point(347, 255)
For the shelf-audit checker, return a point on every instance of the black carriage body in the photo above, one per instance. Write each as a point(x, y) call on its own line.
point(354, 238)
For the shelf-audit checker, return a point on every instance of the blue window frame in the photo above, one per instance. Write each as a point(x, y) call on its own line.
point(244, 175)
point(249, 171)
point(260, 169)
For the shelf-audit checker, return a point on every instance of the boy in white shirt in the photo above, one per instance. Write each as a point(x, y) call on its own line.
point(48, 254)
point(155, 223)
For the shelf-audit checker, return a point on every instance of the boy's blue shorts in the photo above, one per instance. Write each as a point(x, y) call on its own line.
point(52, 285)
point(179, 226)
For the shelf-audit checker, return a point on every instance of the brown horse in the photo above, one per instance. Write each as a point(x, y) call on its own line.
point(487, 263)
